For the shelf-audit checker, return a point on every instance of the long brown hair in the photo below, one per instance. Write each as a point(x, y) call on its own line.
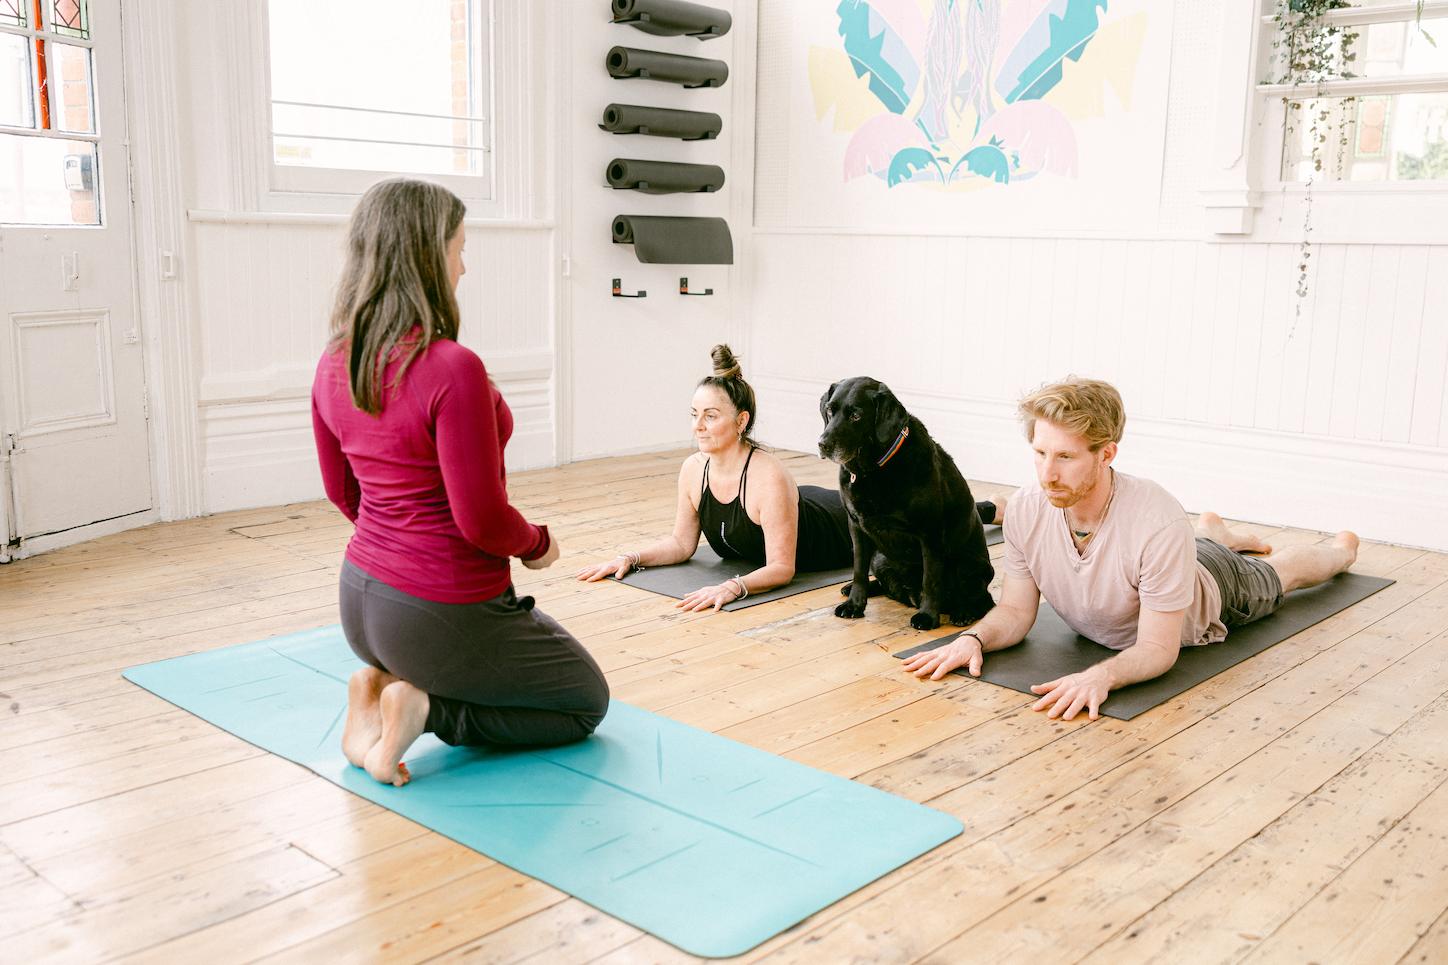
point(395, 277)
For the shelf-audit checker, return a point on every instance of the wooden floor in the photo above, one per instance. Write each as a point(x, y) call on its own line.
point(1291, 809)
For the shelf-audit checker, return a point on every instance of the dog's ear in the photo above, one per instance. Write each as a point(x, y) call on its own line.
point(890, 416)
point(825, 400)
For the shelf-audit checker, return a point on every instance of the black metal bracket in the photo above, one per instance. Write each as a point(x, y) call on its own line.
point(619, 293)
point(684, 288)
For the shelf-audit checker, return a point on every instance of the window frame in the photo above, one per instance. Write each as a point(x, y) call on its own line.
point(1242, 172)
point(320, 182)
point(45, 32)
point(1274, 93)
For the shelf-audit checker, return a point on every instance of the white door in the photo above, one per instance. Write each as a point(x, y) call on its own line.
point(72, 388)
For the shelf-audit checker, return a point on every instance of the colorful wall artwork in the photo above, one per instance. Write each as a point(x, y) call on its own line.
point(1039, 100)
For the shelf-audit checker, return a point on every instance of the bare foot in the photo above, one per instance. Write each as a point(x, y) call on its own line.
point(1212, 527)
point(1347, 541)
point(1000, 505)
point(404, 714)
point(364, 713)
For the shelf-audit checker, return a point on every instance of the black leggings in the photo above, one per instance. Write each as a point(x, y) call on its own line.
point(496, 672)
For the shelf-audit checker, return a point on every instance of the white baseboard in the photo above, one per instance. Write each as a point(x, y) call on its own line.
point(54, 541)
point(1386, 492)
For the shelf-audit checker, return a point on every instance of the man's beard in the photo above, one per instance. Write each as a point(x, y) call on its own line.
point(1073, 496)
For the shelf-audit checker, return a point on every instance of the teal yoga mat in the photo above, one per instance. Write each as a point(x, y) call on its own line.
point(709, 844)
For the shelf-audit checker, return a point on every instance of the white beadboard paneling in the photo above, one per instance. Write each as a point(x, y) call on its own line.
point(1203, 339)
point(1430, 387)
point(1328, 284)
point(1403, 330)
point(1377, 339)
point(1352, 330)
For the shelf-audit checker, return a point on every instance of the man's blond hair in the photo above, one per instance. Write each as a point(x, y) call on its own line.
point(1089, 408)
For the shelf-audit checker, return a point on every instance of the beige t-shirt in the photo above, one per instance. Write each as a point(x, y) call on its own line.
point(1144, 554)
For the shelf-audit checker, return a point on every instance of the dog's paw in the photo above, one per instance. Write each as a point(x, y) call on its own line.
point(924, 621)
point(845, 590)
point(960, 621)
point(850, 610)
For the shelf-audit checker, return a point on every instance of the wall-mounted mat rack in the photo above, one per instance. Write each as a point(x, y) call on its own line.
point(672, 18)
point(629, 62)
point(675, 241)
point(661, 122)
point(662, 177)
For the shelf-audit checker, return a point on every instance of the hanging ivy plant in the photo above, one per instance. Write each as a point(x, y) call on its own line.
point(1308, 51)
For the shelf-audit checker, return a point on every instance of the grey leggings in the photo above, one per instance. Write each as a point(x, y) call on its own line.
point(496, 672)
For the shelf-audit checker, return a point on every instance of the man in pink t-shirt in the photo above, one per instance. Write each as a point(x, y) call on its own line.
point(1118, 560)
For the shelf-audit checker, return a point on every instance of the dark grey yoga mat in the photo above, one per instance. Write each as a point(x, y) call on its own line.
point(706, 568)
point(627, 62)
point(662, 177)
point(661, 122)
point(1053, 649)
point(661, 240)
point(672, 18)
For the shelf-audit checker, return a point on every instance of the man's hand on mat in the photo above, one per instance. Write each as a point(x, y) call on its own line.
point(546, 560)
point(617, 567)
point(1065, 697)
point(710, 597)
point(960, 652)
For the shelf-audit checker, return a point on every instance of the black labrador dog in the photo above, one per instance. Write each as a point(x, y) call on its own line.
point(912, 517)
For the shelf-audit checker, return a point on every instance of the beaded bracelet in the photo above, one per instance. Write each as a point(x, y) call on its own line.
point(632, 559)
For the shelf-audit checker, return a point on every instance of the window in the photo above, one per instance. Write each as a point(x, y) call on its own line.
point(48, 137)
point(1378, 113)
point(362, 87)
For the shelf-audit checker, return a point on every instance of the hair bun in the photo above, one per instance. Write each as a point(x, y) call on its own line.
point(726, 366)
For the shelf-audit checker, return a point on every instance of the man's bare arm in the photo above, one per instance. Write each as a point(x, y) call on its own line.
point(1004, 626)
point(1158, 641)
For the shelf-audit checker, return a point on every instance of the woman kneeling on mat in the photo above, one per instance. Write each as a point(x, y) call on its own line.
point(764, 519)
point(410, 434)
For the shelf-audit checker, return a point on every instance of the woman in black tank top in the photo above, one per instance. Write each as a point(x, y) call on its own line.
point(785, 533)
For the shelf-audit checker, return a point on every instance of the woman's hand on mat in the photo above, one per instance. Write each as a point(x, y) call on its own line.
point(710, 597)
point(547, 559)
point(1065, 697)
point(935, 664)
point(618, 567)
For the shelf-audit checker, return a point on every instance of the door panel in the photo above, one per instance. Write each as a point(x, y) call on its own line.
point(72, 386)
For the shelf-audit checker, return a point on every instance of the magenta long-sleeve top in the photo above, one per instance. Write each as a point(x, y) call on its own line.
point(423, 480)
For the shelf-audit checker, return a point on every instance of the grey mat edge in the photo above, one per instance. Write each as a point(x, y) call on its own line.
point(1016, 668)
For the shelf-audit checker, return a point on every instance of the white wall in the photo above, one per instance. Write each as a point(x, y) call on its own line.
point(579, 368)
point(635, 361)
point(1332, 419)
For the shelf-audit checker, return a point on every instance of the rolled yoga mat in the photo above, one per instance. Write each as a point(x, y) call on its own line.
point(661, 240)
point(662, 177)
point(672, 18)
point(708, 844)
point(1052, 649)
point(661, 122)
point(626, 62)
point(707, 568)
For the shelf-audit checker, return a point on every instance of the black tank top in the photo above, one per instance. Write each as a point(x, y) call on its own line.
point(822, 543)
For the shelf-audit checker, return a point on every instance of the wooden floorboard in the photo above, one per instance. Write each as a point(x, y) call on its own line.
point(1293, 808)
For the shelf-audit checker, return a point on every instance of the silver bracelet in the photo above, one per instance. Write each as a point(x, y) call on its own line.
point(632, 559)
point(743, 590)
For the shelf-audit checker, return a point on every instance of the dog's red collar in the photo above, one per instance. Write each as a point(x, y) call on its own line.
point(899, 441)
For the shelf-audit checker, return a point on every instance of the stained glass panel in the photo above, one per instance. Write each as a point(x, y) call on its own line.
point(12, 13)
point(70, 18)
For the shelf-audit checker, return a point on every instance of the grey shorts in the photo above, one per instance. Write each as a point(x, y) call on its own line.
point(1250, 588)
